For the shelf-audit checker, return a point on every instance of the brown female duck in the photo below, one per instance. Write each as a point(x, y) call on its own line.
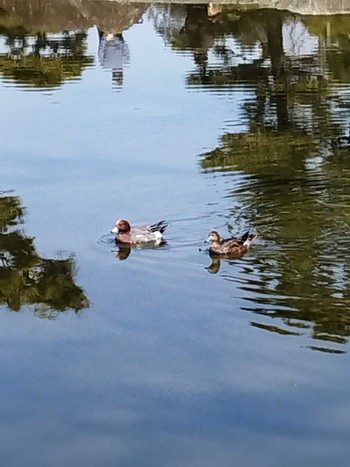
point(233, 246)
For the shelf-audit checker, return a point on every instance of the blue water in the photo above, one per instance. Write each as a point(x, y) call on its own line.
point(167, 365)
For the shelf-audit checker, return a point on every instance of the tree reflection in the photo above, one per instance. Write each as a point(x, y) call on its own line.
point(304, 212)
point(43, 61)
point(291, 166)
point(46, 43)
point(259, 47)
point(28, 279)
point(299, 162)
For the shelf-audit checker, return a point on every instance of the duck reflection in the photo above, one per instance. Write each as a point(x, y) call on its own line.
point(215, 265)
point(28, 279)
point(124, 250)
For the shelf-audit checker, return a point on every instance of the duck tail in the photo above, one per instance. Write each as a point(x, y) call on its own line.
point(253, 236)
point(163, 228)
point(247, 238)
point(159, 226)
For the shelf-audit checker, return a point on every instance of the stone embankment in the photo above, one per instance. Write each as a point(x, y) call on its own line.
point(302, 7)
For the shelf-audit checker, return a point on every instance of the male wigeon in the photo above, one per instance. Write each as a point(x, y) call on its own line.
point(234, 246)
point(139, 234)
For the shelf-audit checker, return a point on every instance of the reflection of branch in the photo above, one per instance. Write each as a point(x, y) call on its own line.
point(276, 329)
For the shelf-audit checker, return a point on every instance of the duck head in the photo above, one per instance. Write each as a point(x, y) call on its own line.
point(121, 226)
point(213, 236)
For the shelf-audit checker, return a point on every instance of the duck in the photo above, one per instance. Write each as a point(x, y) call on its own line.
point(139, 234)
point(233, 246)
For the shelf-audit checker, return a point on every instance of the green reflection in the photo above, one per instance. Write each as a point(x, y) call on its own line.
point(290, 167)
point(28, 279)
point(39, 61)
point(46, 44)
point(297, 196)
point(298, 199)
point(211, 28)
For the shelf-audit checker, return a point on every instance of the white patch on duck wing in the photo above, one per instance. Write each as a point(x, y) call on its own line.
point(148, 237)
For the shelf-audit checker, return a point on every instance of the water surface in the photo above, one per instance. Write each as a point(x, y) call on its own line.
point(222, 120)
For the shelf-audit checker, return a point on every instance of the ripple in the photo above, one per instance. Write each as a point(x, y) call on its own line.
point(275, 329)
point(107, 238)
point(326, 350)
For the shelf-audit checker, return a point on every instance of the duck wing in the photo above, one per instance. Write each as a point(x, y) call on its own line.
point(227, 246)
point(232, 243)
point(149, 228)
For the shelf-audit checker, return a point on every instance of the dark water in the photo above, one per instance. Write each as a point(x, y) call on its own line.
point(164, 356)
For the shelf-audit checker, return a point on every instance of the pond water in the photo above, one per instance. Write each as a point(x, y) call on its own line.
point(210, 118)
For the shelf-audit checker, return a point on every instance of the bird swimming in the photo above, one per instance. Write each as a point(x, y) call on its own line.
point(234, 246)
point(139, 234)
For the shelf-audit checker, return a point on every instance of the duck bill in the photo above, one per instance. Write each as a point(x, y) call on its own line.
point(115, 230)
point(208, 240)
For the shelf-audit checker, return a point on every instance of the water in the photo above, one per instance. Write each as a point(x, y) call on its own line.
point(165, 356)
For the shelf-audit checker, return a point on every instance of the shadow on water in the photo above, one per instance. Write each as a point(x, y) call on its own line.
point(27, 278)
